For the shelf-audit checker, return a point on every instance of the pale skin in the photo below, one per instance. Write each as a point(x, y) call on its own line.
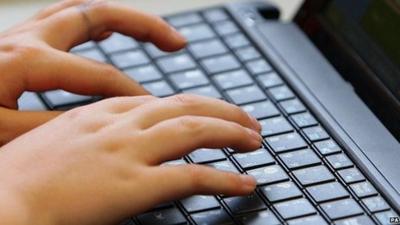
point(102, 162)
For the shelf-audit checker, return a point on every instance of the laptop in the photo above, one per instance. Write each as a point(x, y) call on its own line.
point(325, 87)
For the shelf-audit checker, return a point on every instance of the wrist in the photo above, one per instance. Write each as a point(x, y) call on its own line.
point(12, 210)
point(16, 207)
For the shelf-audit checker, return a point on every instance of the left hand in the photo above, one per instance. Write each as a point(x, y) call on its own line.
point(100, 163)
point(33, 56)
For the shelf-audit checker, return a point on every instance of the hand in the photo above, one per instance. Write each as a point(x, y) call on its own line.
point(100, 163)
point(33, 57)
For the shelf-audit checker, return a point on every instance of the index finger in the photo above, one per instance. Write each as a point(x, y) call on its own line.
point(89, 21)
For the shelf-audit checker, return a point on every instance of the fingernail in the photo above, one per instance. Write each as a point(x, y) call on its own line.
point(255, 135)
point(177, 35)
point(249, 183)
point(255, 123)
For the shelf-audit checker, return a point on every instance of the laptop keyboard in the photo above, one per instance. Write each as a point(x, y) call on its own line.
point(304, 177)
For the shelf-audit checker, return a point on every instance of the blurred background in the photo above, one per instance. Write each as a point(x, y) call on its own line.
point(13, 11)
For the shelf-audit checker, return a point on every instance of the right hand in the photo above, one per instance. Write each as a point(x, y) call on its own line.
point(100, 163)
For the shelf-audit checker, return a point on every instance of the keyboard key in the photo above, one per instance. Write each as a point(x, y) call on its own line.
point(118, 42)
point(233, 79)
point(220, 64)
point(293, 106)
point(212, 217)
point(375, 204)
point(226, 27)
point(29, 101)
point(164, 205)
point(176, 162)
point(129, 59)
point(207, 155)
point(199, 203)
point(59, 97)
point(281, 93)
point(170, 216)
point(286, 142)
point(270, 80)
point(207, 48)
point(315, 133)
point(93, 54)
point(244, 204)
point(257, 158)
point(189, 79)
point(295, 208)
point(176, 63)
point(281, 191)
point(269, 174)
point(84, 46)
point(197, 32)
point(304, 120)
point(309, 220)
point(261, 110)
point(301, 158)
point(327, 192)
point(215, 15)
point(275, 125)
point(339, 161)
point(224, 166)
point(386, 217)
point(154, 51)
point(208, 91)
point(351, 175)
point(236, 41)
point(260, 218)
point(143, 73)
point(358, 220)
point(327, 147)
point(159, 88)
point(341, 208)
point(247, 54)
point(246, 95)
point(258, 66)
point(313, 175)
point(184, 19)
point(128, 222)
point(363, 189)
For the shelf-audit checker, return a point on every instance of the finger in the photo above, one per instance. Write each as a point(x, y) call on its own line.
point(54, 8)
point(198, 180)
point(184, 104)
point(118, 105)
point(18, 122)
point(180, 136)
point(79, 75)
point(104, 16)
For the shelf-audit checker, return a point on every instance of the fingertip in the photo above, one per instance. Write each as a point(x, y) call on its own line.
point(248, 183)
point(175, 41)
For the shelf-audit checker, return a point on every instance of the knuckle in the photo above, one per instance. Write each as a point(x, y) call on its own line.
point(190, 124)
point(76, 114)
point(98, 5)
point(26, 52)
point(195, 176)
point(188, 100)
